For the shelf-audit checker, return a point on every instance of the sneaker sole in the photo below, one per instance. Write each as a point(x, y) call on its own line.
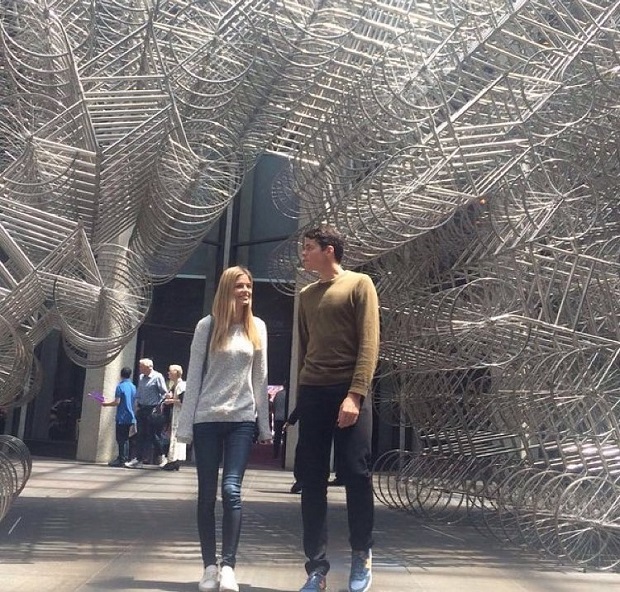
point(363, 589)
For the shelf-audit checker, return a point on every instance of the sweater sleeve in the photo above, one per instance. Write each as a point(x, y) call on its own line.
point(367, 320)
point(259, 384)
point(193, 385)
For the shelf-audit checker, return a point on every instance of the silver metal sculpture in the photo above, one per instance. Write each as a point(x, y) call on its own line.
point(474, 167)
point(467, 148)
point(15, 469)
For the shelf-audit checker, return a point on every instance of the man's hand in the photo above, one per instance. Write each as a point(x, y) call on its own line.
point(349, 410)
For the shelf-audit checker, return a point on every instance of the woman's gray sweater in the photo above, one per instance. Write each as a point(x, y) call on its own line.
point(233, 386)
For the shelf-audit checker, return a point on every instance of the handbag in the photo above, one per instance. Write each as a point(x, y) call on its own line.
point(158, 416)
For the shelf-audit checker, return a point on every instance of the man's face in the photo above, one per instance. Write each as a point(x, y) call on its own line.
point(144, 369)
point(312, 256)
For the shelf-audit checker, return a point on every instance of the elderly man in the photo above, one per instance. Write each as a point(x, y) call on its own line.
point(150, 393)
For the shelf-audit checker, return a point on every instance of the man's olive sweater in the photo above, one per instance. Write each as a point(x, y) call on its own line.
point(339, 332)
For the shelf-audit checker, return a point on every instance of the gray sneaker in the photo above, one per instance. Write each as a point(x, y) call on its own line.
point(316, 583)
point(361, 571)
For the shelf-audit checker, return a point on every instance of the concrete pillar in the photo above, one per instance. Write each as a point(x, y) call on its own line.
point(97, 428)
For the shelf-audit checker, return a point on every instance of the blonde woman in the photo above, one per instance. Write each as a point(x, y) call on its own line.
point(174, 397)
point(226, 393)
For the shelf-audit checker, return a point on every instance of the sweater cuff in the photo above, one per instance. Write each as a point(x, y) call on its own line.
point(184, 438)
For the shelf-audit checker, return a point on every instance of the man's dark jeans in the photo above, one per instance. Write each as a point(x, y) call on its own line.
point(148, 434)
point(233, 442)
point(318, 408)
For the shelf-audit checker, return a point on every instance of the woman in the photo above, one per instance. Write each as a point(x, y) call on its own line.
point(174, 398)
point(226, 393)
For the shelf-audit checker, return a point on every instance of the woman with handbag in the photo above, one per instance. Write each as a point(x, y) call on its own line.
point(177, 452)
point(225, 396)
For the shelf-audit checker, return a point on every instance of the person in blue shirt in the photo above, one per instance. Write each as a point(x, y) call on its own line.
point(125, 417)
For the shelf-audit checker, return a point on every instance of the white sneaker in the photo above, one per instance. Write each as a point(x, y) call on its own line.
point(134, 463)
point(228, 582)
point(163, 462)
point(209, 581)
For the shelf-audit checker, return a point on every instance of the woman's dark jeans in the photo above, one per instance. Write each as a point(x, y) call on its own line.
point(233, 442)
point(318, 408)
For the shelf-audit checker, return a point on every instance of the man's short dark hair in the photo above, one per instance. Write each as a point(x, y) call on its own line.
point(327, 235)
point(126, 372)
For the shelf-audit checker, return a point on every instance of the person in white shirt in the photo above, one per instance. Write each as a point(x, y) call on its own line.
point(177, 451)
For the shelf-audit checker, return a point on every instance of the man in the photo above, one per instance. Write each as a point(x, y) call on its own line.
point(150, 393)
point(125, 418)
point(339, 343)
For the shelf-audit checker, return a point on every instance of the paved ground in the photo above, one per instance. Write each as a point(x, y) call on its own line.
point(82, 528)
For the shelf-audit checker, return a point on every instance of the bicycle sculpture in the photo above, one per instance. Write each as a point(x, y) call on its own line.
point(15, 469)
point(467, 148)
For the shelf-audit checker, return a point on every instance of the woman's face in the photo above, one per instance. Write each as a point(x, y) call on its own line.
point(242, 291)
point(172, 374)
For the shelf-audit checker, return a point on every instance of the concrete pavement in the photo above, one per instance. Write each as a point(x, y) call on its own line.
point(80, 527)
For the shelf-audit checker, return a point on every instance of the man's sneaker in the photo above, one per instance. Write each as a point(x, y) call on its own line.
point(316, 583)
point(210, 580)
point(134, 463)
point(117, 462)
point(361, 571)
point(228, 582)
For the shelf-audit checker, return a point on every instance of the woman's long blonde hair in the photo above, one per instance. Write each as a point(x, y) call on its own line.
point(223, 311)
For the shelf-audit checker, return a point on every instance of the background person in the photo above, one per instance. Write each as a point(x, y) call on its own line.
point(291, 421)
point(125, 418)
point(177, 451)
point(338, 326)
point(279, 419)
point(226, 393)
point(149, 395)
